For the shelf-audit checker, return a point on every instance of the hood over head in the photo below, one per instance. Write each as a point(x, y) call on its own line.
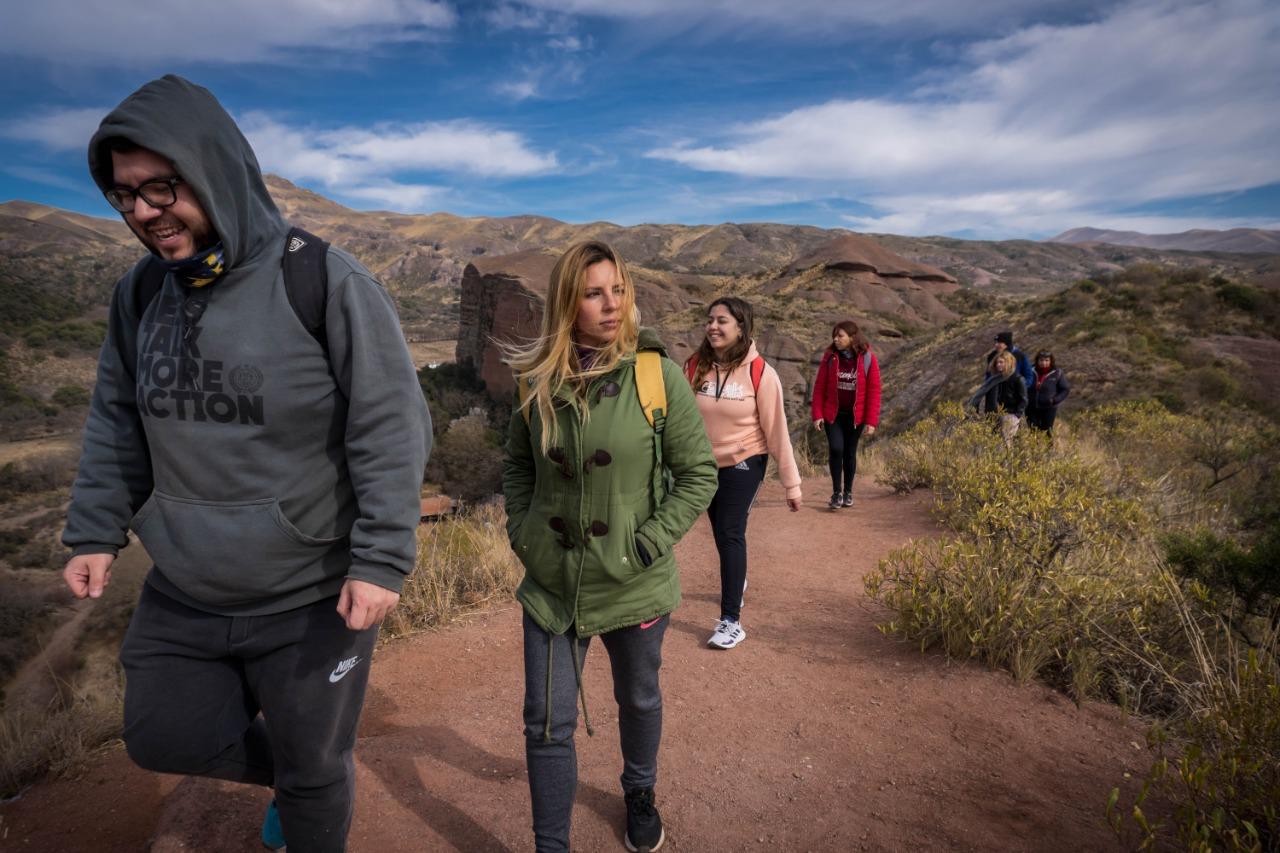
point(185, 123)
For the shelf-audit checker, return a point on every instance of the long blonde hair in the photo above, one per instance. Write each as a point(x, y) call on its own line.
point(550, 362)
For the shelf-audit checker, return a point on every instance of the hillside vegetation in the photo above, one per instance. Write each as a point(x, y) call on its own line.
point(1131, 558)
point(1187, 337)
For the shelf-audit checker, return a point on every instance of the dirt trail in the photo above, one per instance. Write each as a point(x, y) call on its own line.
point(817, 733)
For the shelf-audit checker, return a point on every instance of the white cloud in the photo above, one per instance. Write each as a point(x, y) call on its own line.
point(371, 163)
point(825, 16)
point(406, 198)
point(135, 32)
point(59, 130)
point(1159, 100)
point(518, 90)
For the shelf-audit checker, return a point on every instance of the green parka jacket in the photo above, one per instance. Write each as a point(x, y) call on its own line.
point(576, 514)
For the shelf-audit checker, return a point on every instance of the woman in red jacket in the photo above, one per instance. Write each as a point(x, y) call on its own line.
point(846, 400)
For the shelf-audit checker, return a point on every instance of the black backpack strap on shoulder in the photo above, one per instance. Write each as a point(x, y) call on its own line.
point(306, 281)
point(149, 286)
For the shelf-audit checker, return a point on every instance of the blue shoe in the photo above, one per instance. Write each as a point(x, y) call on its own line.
point(272, 832)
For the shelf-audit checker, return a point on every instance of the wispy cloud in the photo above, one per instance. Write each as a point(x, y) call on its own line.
point(49, 178)
point(139, 33)
point(59, 130)
point(824, 16)
point(379, 163)
point(1157, 101)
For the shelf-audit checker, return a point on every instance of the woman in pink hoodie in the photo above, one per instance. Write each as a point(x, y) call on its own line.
point(740, 397)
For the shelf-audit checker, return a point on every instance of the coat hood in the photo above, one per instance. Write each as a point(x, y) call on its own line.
point(185, 123)
point(648, 339)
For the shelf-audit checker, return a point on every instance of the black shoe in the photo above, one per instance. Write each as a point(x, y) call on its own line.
point(644, 826)
point(847, 500)
point(837, 500)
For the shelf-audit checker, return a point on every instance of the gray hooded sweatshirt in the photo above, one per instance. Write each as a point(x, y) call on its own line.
point(258, 473)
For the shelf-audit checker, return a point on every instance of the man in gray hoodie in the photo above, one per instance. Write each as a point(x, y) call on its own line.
point(272, 473)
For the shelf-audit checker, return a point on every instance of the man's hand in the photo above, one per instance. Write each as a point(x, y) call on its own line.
point(794, 503)
point(817, 424)
point(363, 604)
point(88, 574)
point(870, 430)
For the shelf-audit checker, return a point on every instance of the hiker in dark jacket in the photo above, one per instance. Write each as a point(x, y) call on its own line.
point(592, 518)
point(1046, 393)
point(1003, 394)
point(1004, 343)
point(271, 470)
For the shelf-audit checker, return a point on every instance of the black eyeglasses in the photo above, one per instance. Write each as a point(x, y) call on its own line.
point(161, 192)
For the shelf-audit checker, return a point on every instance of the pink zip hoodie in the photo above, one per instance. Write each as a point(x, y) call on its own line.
point(741, 424)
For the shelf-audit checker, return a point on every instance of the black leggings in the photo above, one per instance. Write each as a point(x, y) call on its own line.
point(728, 513)
point(842, 442)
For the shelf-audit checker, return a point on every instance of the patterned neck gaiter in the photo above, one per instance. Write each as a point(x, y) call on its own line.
point(201, 268)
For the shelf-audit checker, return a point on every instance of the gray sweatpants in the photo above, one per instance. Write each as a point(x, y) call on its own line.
point(635, 655)
point(196, 681)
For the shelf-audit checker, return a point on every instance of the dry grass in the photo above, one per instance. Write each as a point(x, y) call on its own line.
point(464, 562)
point(33, 745)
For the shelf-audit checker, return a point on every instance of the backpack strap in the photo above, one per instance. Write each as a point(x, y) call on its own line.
point(691, 368)
point(306, 281)
point(149, 286)
point(651, 389)
point(757, 371)
point(866, 361)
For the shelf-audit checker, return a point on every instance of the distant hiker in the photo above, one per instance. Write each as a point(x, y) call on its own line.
point(260, 426)
point(1047, 393)
point(1003, 394)
point(607, 467)
point(1004, 343)
point(740, 397)
point(846, 402)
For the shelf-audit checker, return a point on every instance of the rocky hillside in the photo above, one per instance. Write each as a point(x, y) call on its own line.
point(1254, 240)
point(57, 269)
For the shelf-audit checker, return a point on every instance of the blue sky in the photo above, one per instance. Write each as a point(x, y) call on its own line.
point(1007, 118)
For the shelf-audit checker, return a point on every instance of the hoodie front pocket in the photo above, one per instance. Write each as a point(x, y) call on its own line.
point(227, 552)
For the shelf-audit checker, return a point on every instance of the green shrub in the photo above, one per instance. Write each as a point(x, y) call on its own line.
point(71, 396)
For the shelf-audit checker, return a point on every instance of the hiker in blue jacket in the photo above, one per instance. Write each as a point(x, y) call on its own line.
point(1003, 343)
point(263, 433)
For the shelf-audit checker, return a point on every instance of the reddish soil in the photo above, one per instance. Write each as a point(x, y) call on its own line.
point(817, 733)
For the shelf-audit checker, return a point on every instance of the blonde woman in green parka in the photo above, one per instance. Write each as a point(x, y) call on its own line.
point(594, 518)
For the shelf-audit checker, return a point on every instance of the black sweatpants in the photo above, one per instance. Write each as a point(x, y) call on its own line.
point(842, 446)
point(728, 513)
point(195, 683)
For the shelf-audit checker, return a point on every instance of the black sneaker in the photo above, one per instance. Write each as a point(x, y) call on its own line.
point(847, 500)
point(837, 500)
point(644, 826)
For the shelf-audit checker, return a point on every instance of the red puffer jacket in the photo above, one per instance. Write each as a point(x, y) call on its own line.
point(866, 401)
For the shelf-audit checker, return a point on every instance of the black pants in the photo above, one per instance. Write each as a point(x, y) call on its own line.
point(1042, 418)
point(196, 681)
point(551, 696)
point(728, 513)
point(842, 446)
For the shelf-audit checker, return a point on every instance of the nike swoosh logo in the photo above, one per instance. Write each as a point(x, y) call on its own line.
point(341, 670)
point(650, 623)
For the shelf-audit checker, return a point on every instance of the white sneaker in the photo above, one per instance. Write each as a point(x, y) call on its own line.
point(727, 635)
